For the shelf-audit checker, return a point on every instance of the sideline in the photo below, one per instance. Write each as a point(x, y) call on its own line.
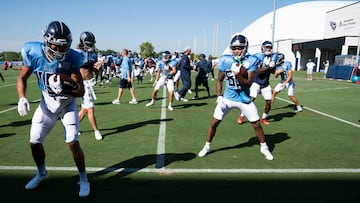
point(183, 170)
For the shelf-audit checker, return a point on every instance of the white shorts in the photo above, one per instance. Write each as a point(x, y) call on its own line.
point(309, 71)
point(290, 88)
point(43, 121)
point(255, 90)
point(162, 81)
point(249, 110)
point(177, 76)
point(87, 101)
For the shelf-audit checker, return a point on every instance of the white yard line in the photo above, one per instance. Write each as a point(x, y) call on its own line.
point(184, 170)
point(160, 159)
point(323, 114)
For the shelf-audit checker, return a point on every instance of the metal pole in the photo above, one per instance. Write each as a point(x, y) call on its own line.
point(358, 52)
point(273, 24)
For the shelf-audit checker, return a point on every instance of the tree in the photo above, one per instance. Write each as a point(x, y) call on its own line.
point(147, 50)
point(11, 56)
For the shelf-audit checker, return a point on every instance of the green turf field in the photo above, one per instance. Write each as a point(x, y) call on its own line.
point(150, 154)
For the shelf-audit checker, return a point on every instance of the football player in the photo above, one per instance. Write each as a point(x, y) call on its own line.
point(284, 69)
point(236, 93)
point(46, 60)
point(91, 65)
point(166, 69)
point(261, 81)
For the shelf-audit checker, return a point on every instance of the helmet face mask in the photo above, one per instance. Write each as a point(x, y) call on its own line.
point(266, 48)
point(239, 42)
point(166, 55)
point(280, 59)
point(87, 40)
point(57, 40)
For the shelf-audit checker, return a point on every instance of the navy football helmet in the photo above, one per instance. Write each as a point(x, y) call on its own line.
point(87, 40)
point(57, 33)
point(280, 59)
point(166, 55)
point(241, 42)
point(265, 48)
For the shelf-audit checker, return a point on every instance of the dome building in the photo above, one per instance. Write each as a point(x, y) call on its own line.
point(317, 30)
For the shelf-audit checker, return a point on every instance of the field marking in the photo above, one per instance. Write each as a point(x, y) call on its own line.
point(322, 89)
point(15, 107)
point(9, 85)
point(184, 170)
point(323, 114)
point(160, 158)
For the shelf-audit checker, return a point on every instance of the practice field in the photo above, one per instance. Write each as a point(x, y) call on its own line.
point(149, 154)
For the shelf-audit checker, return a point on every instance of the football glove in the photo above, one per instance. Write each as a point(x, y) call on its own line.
point(23, 106)
point(56, 87)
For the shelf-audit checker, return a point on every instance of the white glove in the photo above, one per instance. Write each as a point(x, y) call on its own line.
point(23, 106)
point(235, 68)
point(272, 64)
point(220, 100)
point(56, 87)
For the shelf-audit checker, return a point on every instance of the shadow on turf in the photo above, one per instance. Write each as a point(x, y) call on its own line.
point(140, 162)
point(271, 140)
point(132, 126)
point(17, 123)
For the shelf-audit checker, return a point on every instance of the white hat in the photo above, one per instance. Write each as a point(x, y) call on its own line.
point(186, 48)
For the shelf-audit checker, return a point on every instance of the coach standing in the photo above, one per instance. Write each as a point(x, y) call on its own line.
point(185, 70)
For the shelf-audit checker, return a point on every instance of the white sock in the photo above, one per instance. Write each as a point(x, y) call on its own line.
point(263, 144)
point(207, 144)
point(264, 115)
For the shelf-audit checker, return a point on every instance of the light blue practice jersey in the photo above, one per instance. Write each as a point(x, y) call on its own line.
point(233, 90)
point(126, 65)
point(161, 64)
point(263, 79)
point(35, 59)
point(284, 75)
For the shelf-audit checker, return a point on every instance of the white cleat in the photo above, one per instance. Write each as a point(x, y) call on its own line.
point(205, 150)
point(177, 95)
point(115, 101)
point(98, 135)
point(170, 108)
point(150, 103)
point(133, 101)
point(35, 181)
point(266, 152)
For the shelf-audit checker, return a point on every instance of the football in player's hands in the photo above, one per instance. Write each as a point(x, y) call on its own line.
point(60, 81)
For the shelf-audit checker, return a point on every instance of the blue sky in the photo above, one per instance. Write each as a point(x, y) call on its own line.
point(118, 24)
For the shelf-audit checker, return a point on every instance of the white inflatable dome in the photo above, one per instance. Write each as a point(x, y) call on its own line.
point(303, 21)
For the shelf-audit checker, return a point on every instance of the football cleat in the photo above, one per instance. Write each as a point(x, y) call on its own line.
point(35, 181)
point(84, 188)
point(170, 108)
point(98, 135)
point(177, 95)
point(205, 150)
point(150, 103)
point(266, 152)
point(298, 110)
point(133, 101)
point(116, 101)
